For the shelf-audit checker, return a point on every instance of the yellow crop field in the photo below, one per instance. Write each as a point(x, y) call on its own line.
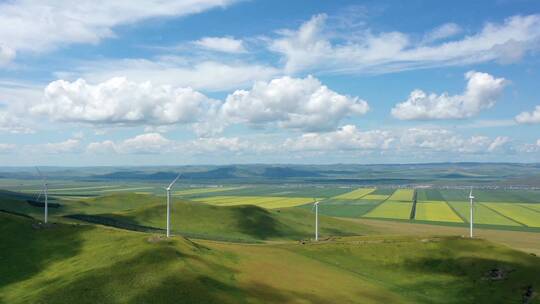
point(203, 190)
point(517, 213)
point(355, 194)
point(269, 202)
point(375, 197)
point(482, 214)
point(534, 207)
point(402, 195)
point(436, 211)
point(390, 209)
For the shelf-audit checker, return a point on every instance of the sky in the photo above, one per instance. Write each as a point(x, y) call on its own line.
point(230, 82)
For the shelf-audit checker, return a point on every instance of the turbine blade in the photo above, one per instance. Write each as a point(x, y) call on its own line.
point(174, 181)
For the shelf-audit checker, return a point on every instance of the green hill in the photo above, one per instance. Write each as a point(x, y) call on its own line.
point(68, 263)
point(234, 223)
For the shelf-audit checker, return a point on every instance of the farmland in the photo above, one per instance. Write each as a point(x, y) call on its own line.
point(269, 202)
point(436, 211)
point(355, 194)
point(391, 210)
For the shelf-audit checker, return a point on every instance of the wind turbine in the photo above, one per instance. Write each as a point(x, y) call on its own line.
point(316, 207)
point(45, 193)
point(169, 205)
point(471, 197)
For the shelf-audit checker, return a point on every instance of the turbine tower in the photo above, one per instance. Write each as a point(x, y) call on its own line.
point(169, 205)
point(316, 206)
point(471, 197)
point(45, 193)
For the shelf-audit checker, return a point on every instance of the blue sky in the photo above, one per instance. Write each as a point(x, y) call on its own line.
point(223, 81)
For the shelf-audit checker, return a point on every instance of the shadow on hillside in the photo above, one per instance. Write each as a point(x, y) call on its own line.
point(166, 275)
point(258, 222)
point(470, 267)
point(26, 250)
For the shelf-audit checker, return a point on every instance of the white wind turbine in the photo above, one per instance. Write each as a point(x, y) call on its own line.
point(316, 207)
point(471, 197)
point(45, 194)
point(169, 205)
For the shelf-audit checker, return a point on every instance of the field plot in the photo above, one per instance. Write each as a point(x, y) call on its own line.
point(429, 195)
point(534, 207)
point(343, 208)
point(436, 211)
point(392, 210)
point(402, 195)
point(375, 197)
point(195, 191)
point(482, 214)
point(517, 213)
point(355, 194)
point(269, 202)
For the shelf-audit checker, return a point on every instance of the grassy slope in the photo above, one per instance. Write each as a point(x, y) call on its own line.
point(249, 223)
point(89, 264)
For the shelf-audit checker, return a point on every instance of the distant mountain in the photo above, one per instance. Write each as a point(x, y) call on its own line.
point(283, 172)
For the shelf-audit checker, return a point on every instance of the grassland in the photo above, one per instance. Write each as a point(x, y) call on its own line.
point(92, 264)
point(269, 202)
point(355, 194)
point(436, 211)
point(392, 210)
point(402, 195)
point(517, 213)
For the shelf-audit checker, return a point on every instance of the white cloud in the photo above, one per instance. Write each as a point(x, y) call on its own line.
point(68, 146)
point(11, 124)
point(294, 103)
point(38, 26)
point(529, 117)
point(148, 143)
point(205, 74)
point(222, 44)
point(411, 140)
point(119, 101)
point(482, 92)
point(6, 148)
point(444, 31)
point(6, 55)
point(348, 137)
point(311, 47)
point(216, 145)
point(437, 140)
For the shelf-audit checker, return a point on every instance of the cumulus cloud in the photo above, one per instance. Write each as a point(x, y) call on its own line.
point(312, 47)
point(38, 26)
point(6, 55)
point(148, 143)
point(482, 92)
point(221, 44)
point(6, 148)
point(68, 146)
point(296, 103)
point(529, 117)
point(410, 140)
point(155, 143)
point(9, 123)
point(204, 74)
point(348, 137)
point(119, 101)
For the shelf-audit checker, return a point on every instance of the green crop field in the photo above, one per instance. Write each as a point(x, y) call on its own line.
point(355, 194)
point(188, 192)
point(392, 210)
point(403, 195)
point(375, 197)
point(269, 202)
point(517, 213)
point(482, 214)
point(343, 208)
point(436, 211)
point(535, 207)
